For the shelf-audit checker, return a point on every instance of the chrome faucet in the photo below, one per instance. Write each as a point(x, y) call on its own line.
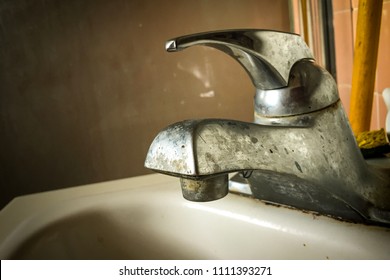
point(299, 152)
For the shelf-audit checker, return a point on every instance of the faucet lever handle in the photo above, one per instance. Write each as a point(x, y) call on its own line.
point(267, 56)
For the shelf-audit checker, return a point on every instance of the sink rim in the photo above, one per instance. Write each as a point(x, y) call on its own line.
point(28, 214)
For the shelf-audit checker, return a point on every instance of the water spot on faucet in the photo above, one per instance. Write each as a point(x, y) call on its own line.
point(286, 151)
point(254, 140)
point(298, 167)
point(200, 136)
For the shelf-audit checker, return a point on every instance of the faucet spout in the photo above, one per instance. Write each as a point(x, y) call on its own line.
point(316, 166)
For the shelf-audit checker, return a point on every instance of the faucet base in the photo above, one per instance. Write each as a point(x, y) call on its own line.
point(287, 189)
point(291, 191)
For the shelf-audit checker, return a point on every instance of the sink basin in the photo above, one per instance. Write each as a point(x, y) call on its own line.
point(146, 218)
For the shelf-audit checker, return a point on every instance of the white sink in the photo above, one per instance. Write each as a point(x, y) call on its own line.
point(147, 218)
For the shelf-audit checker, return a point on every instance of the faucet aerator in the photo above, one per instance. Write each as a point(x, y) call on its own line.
point(206, 188)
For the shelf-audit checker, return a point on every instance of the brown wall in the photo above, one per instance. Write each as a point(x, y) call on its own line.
point(86, 85)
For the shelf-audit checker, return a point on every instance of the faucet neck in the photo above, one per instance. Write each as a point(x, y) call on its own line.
point(310, 89)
